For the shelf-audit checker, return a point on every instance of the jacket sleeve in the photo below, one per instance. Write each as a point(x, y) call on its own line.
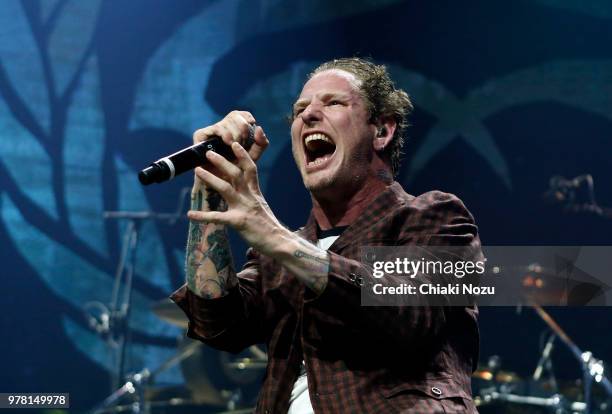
point(231, 322)
point(439, 219)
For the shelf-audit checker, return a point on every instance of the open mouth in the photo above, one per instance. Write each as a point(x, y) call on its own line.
point(319, 148)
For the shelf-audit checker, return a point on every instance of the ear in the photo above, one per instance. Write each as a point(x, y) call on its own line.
point(385, 128)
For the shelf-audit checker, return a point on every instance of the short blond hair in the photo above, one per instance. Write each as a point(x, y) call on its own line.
point(382, 99)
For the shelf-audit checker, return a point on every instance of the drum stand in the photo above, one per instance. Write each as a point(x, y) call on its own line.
point(592, 371)
point(136, 383)
point(592, 368)
point(116, 329)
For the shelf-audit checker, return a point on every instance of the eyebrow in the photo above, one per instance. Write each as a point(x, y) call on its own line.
point(326, 96)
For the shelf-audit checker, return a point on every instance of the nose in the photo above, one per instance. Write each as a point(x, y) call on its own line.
point(311, 114)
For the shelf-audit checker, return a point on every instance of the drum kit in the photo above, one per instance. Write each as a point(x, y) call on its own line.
point(215, 382)
point(499, 391)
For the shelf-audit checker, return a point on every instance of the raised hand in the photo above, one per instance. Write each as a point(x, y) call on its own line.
point(247, 210)
point(235, 127)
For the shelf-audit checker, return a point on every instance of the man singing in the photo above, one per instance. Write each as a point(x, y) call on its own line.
point(299, 292)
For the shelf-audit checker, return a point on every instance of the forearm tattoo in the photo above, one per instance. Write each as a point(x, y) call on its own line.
point(209, 266)
point(316, 270)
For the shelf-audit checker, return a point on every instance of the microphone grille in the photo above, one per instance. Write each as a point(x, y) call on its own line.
point(251, 139)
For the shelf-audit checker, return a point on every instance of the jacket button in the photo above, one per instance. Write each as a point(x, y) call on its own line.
point(352, 277)
point(436, 391)
point(359, 281)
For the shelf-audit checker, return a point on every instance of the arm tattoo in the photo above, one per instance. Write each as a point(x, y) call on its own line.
point(299, 253)
point(317, 269)
point(209, 266)
point(219, 252)
point(215, 202)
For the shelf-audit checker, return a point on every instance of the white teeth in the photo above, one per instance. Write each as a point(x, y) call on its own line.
point(314, 137)
point(319, 160)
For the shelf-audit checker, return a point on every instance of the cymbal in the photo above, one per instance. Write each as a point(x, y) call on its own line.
point(248, 363)
point(168, 311)
point(181, 395)
point(540, 284)
point(504, 377)
point(537, 284)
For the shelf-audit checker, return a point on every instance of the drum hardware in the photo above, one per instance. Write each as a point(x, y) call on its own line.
point(592, 368)
point(219, 371)
point(556, 403)
point(495, 386)
point(112, 321)
point(176, 406)
point(500, 377)
point(168, 311)
point(137, 383)
point(118, 332)
point(535, 283)
point(232, 377)
point(248, 363)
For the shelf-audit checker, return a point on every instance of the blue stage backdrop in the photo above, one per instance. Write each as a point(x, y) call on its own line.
point(507, 95)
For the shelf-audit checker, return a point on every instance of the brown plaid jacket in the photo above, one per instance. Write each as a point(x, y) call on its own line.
point(358, 359)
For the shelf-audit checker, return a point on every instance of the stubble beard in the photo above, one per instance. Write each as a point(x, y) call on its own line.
point(342, 182)
point(320, 185)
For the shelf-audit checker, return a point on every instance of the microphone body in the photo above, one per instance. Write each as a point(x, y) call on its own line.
point(168, 167)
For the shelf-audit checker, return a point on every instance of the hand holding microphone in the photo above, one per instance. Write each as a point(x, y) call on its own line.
point(237, 126)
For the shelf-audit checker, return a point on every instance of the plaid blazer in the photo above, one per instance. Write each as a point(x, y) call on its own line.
point(358, 359)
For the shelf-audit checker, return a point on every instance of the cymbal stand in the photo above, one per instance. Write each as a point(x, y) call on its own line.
point(118, 328)
point(592, 368)
point(545, 361)
point(137, 382)
point(121, 298)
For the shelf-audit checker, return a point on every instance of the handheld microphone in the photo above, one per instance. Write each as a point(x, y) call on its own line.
point(168, 167)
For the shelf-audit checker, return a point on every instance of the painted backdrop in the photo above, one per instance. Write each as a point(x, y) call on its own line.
point(507, 95)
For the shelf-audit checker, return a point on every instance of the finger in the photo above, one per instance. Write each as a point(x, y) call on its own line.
point(245, 163)
point(204, 134)
point(247, 116)
point(212, 181)
point(215, 217)
point(238, 123)
point(235, 132)
point(226, 133)
point(241, 123)
point(224, 166)
point(260, 144)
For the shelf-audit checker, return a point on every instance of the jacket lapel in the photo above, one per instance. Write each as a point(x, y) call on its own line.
point(386, 202)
